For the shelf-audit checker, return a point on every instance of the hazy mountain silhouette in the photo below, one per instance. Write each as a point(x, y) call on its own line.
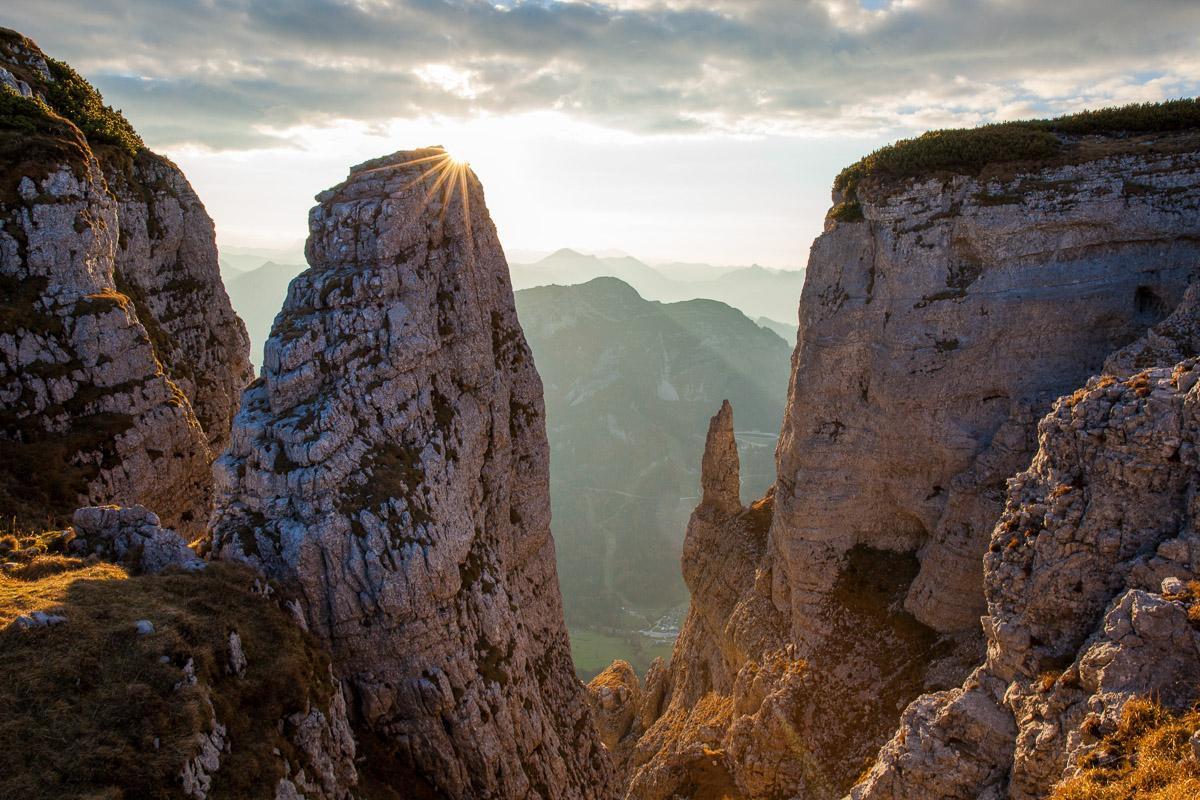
point(258, 285)
point(754, 290)
point(629, 387)
point(257, 296)
point(786, 331)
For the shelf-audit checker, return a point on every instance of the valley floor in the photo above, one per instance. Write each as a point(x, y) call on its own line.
point(593, 651)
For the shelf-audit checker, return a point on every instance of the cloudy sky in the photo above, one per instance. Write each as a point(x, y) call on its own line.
point(670, 129)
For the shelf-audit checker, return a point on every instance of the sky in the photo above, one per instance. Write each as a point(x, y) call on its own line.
point(668, 129)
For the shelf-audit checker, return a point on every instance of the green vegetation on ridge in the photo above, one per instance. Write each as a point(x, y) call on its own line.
point(74, 98)
point(969, 150)
point(68, 95)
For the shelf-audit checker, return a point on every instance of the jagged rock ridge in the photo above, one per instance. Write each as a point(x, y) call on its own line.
point(935, 332)
point(121, 360)
point(391, 466)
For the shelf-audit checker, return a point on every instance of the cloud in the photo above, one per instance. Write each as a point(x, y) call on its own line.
point(224, 73)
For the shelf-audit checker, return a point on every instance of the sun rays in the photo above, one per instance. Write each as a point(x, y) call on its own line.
point(446, 176)
point(443, 176)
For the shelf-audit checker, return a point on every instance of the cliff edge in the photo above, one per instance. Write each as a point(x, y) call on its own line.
point(121, 360)
point(964, 281)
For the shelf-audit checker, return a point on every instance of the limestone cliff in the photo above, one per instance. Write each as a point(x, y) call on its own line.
point(391, 467)
point(1087, 592)
point(121, 360)
point(941, 316)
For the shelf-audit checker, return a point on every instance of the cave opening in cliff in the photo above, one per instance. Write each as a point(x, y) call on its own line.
point(869, 595)
point(875, 654)
point(1149, 305)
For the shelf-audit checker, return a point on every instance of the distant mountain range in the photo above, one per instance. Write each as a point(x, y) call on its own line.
point(785, 331)
point(630, 385)
point(245, 259)
point(257, 282)
point(754, 290)
point(257, 296)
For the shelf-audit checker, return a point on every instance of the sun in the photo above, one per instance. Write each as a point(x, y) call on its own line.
point(445, 178)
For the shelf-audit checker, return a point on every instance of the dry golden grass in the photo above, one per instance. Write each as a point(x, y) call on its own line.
point(1076, 398)
point(619, 673)
point(1148, 757)
point(705, 775)
point(90, 708)
point(1193, 588)
point(42, 586)
point(1140, 383)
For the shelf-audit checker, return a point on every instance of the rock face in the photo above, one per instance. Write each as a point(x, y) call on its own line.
point(720, 470)
point(1088, 602)
point(120, 358)
point(615, 696)
point(391, 466)
point(706, 726)
point(934, 333)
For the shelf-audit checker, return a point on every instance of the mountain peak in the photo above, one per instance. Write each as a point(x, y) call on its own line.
point(566, 252)
point(719, 470)
point(417, 469)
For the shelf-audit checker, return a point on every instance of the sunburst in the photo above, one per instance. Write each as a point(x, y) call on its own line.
point(443, 175)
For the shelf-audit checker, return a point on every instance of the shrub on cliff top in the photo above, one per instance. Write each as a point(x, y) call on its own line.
point(66, 94)
point(77, 100)
point(969, 150)
point(27, 116)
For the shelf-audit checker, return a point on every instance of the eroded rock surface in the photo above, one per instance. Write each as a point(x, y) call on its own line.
point(1086, 601)
point(615, 696)
point(684, 740)
point(934, 334)
point(132, 535)
point(121, 360)
point(391, 465)
point(1088, 579)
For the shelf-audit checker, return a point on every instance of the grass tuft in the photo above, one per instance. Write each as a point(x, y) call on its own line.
point(1148, 757)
